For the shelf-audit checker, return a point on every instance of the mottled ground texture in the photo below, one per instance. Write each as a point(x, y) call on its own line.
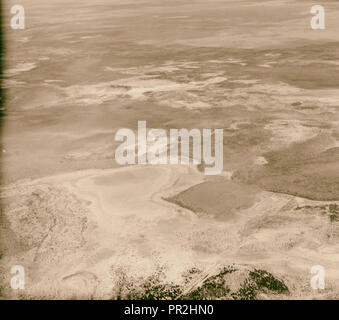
point(84, 228)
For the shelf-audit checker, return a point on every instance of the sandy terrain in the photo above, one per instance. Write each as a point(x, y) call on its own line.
point(76, 232)
point(84, 227)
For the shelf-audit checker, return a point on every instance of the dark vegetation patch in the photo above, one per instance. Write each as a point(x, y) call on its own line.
point(214, 287)
point(228, 284)
point(265, 280)
point(259, 281)
point(152, 288)
point(332, 210)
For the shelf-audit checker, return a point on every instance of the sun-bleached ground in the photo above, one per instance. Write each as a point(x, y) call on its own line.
point(85, 228)
point(75, 232)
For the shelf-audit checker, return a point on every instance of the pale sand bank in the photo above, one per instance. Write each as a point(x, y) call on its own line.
point(95, 223)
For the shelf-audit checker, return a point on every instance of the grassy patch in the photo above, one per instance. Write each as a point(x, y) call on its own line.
point(259, 281)
point(214, 287)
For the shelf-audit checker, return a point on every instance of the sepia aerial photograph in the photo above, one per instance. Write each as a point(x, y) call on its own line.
point(169, 150)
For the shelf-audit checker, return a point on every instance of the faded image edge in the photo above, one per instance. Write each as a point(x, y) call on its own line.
point(169, 151)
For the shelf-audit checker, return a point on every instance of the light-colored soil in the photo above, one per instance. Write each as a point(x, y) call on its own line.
point(83, 227)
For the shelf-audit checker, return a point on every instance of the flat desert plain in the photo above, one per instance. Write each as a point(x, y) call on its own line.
point(84, 227)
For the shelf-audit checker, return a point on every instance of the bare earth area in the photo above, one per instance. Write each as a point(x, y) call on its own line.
point(84, 227)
